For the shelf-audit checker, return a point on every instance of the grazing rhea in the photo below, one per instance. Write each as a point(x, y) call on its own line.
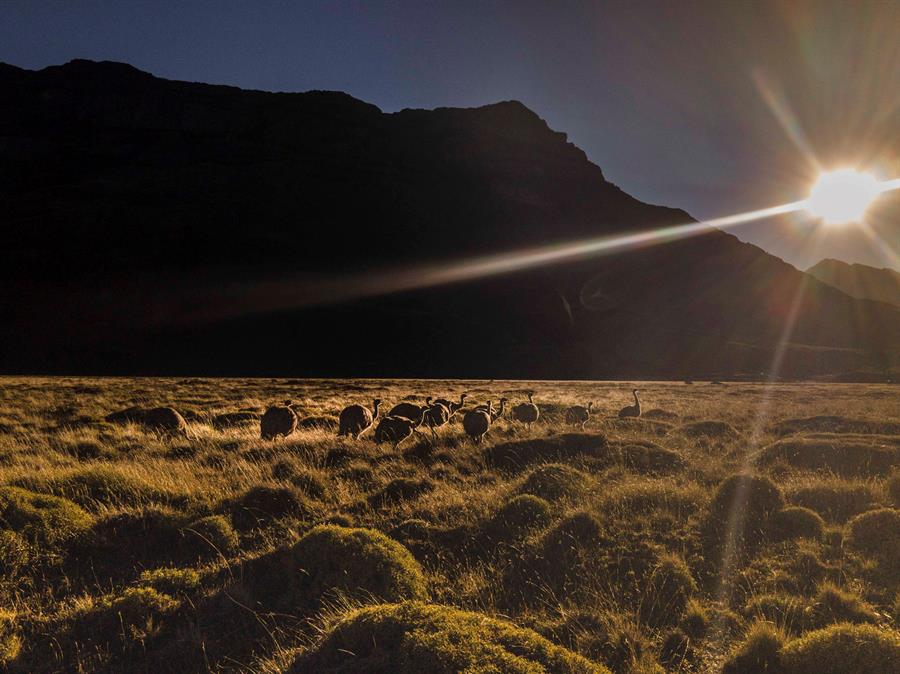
point(631, 410)
point(356, 419)
point(278, 420)
point(526, 413)
point(410, 410)
point(477, 422)
point(436, 416)
point(452, 406)
point(397, 429)
point(579, 414)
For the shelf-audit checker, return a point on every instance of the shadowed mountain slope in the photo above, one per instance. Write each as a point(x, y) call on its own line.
point(859, 280)
point(161, 226)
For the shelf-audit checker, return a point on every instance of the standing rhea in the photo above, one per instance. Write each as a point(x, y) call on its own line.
point(436, 416)
point(356, 419)
point(477, 422)
point(526, 413)
point(452, 406)
point(579, 414)
point(278, 420)
point(631, 410)
point(410, 410)
point(395, 429)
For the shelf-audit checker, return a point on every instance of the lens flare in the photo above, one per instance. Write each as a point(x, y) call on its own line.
point(843, 196)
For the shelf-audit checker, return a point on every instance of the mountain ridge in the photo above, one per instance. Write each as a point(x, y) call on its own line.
point(134, 200)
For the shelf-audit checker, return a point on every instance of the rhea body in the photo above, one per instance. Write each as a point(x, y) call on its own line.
point(579, 414)
point(631, 410)
point(526, 413)
point(356, 419)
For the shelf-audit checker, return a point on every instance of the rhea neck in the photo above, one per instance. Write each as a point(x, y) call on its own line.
point(375, 405)
point(637, 403)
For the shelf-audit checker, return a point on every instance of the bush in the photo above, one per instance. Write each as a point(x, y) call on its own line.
point(833, 605)
point(99, 485)
point(520, 515)
point(839, 649)
point(41, 518)
point(795, 522)
point(608, 637)
point(127, 619)
point(893, 489)
point(331, 561)
point(759, 653)
point(835, 456)
point(170, 581)
point(554, 481)
point(119, 544)
point(650, 458)
point(876, 533)
point(834, 499)
point(10, 643)
point(516, 455)
point(310, 483)
point(741, 507)
point(259, 505)
point(400, 489)
point(415, 637)
point(710, 430)
point(210, 537)
point(669, 588)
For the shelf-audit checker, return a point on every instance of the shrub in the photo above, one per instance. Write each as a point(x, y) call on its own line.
point(119, 543)
point(310, 484)
point(893, 489)
point(784, 610)
point(520, 515)
point(712, 430)
point(838, 649)
point(795, 522)
point(210, 537)
point(669, 588)
point(41, 518)
point(514, 456)
point(650, 458)
point(259, 505)
point(833, 605)
point(10, 643)
point(554, 481)
point(170, 581)
point(759, 653)
point(330, 561)
point(741, 507)
point(400, 489)
point(606, 636)
point(834, 499)
point(415, 637)
point(99, 485)
point(127, 619)
point(876, 533)
point(836, 456)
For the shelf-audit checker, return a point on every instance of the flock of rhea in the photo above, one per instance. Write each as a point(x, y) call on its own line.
point(405, 418)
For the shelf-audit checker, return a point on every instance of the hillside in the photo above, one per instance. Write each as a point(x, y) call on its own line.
point(161, 226)
point(859, 280)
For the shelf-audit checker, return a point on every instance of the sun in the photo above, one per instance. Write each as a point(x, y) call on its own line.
point(842, 196)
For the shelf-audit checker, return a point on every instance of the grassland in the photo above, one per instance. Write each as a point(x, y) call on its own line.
point(735, 526)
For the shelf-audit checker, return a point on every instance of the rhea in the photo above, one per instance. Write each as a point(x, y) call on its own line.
point(395, 429)
point(477, 422)
point(526, 413)
point(436, 416)
point(579, 414)
point(356, 419)
point(452, 406)
point(631, 410)
point(410, 410)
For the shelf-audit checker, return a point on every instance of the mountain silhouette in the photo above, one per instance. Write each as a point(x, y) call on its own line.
point(859, 280)
point(156, 226)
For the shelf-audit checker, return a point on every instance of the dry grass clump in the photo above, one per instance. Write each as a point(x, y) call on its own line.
point(796, 522)
point(830, 423)
point(262, 504)
point(861, 649)
point(517, 454)
point(41, 519)
point(893, 489)
point(876, 533)
point(519, 516)
point(554, 481)
point(835, 499)
point(710, 430)
point(415, 637)
point(842, 458)
point(211, 537)
point(10, 642)
point(759, 653)
point(668, 591)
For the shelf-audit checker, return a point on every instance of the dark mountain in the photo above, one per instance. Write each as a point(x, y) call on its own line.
point(172, 227)
point(859, 280)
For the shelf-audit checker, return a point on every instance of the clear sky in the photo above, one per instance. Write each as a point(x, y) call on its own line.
point(713, 107)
